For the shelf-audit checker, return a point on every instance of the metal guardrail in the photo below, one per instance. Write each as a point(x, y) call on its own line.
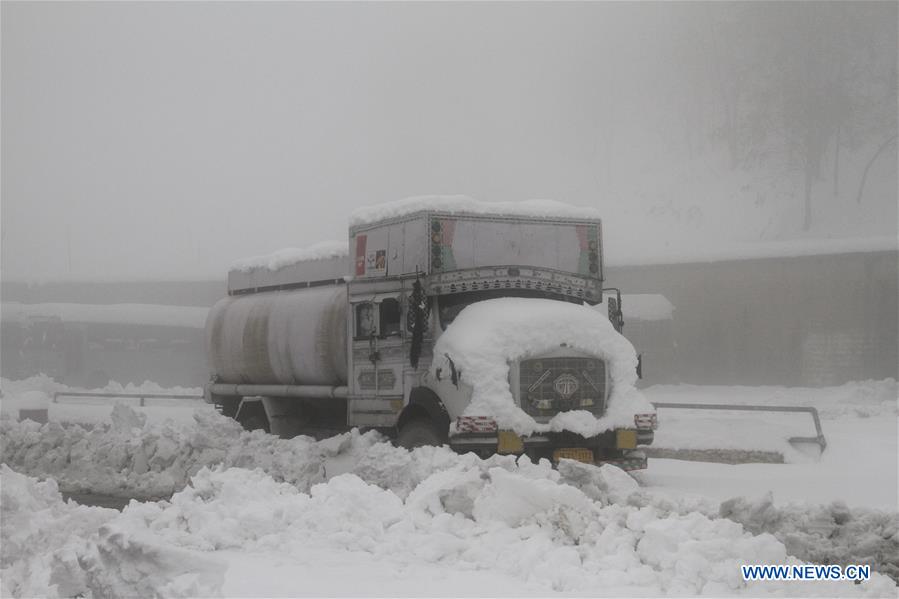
point(819, 439)
point(143, 397)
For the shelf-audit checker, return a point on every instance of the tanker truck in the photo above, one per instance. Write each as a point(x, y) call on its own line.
point(442, 321)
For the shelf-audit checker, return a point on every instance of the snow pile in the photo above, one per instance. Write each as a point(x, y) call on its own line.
point(486, 336)
point(134, 457)
point(288, 256)
point(42, 537)
point(508, 520)
point(131, 457)
point(829, 534)
point(50, 549)
point(191, 317)
point(460, 204)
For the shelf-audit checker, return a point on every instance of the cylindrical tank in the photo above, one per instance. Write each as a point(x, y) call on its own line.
point(280, 337)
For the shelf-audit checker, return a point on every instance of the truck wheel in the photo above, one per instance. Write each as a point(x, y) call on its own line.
point(418, 433)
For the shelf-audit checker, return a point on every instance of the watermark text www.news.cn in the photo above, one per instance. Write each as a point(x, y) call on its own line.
point(806, 572)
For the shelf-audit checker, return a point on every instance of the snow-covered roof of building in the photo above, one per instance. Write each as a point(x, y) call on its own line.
point(136, 314)
point(466, 205)
point(487, 336)
point(288, 256)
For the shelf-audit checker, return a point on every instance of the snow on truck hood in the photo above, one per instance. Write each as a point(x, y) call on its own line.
point(487, 336)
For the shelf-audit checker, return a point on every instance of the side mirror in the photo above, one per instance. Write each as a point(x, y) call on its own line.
point(455, 374)
point(615, 315)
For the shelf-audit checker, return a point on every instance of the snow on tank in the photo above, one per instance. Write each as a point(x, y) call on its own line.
point(325, 261)
point(486, 337)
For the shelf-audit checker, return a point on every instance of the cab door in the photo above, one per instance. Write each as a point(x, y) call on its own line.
point(378, 357)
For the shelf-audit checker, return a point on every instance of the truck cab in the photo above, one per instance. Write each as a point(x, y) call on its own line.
point(425, 267)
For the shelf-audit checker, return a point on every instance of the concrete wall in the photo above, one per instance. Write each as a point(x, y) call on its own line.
point(171, 293)
point(815, 320)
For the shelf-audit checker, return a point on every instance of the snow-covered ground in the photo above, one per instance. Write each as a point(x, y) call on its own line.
point(859, 421)
point(353, 515)
point(36, 393)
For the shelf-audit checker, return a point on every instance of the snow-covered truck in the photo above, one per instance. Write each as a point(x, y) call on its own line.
point(447, 321)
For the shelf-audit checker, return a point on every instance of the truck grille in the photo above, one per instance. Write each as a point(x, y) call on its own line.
point(553, 385)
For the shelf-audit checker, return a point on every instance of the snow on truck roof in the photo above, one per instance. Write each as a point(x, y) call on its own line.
point(460, 204)
point(331, 250)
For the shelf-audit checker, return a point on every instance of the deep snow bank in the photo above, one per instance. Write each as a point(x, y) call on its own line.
point(42, 537)
point(824, 534)
point(596, 527)
point(486, 336)
point(500, 516)
point(132, 457)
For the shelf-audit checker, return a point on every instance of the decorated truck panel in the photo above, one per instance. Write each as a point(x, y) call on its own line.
point(467, 252)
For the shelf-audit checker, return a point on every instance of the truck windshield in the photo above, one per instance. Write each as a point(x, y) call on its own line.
point(449, 306)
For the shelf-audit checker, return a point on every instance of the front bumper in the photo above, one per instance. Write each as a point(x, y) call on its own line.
point(611, 447)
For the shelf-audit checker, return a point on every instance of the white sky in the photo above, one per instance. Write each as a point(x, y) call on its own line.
point(162, 139)
point(147, 140)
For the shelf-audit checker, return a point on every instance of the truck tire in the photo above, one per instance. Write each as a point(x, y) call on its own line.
point(418, 433)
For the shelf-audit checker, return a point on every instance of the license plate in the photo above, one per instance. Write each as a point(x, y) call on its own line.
point(508, 442)
point(625, 439)
point(574, 453)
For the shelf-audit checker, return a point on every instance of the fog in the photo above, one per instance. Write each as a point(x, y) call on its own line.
point(166, 140)
point(444, 419)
